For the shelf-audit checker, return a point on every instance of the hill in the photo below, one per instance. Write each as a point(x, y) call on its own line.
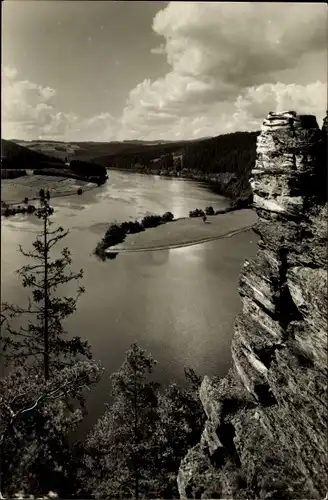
point(89, 150)
point(225, 160)
point(15, 156)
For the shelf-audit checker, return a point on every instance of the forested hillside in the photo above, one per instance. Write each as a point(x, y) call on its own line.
point(226, 161)
point(19, 157)
point(225, 153)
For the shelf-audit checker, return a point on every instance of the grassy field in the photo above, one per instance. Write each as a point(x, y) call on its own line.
point(15, 190)
point(187, 231)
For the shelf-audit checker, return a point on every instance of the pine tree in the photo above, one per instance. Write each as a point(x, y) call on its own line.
point(41, 344)
point(180, 422)
point(120, 448)
point(34, 424)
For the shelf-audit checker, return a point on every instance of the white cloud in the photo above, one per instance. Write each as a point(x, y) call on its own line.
point(219, 51)
point(253, 105)
point(28, 112)
point(9, 73)
point(160, 50)
point(230, 64)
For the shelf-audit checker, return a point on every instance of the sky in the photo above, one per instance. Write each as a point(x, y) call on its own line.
point(107, 71)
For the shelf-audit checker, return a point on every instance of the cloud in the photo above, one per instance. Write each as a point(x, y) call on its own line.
point(229, 65)
point(158, 50)
point(9, 73)
point(218, 54)
point(253, 105)
point(28, 112)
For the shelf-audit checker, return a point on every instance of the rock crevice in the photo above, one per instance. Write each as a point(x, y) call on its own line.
point(266, 429)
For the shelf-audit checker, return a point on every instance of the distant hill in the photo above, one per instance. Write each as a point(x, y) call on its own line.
point(88, 150)
point(142, 151)
point(224, 153)
point(16, 156)
point(225, 160)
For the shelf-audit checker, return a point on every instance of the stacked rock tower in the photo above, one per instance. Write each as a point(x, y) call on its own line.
point(266, 430)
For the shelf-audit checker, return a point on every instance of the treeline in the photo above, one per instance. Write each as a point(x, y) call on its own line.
point(134, 154)
point(211, 160)
point(89, 170)
point(135, 448)
point(116, 233)
point(226, 153)
point(76, 170)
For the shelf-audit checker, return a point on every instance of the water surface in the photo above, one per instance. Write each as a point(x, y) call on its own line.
point(179, 304)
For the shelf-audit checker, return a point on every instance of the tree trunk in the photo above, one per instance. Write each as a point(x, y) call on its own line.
point(135, 438)
point(46, 334)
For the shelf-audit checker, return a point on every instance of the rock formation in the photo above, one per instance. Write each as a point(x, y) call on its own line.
point(266, 429)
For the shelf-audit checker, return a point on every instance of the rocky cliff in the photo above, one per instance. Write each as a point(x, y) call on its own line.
point(266, 429)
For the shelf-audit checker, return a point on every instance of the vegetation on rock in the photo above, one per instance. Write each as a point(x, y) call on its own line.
point(266, 421)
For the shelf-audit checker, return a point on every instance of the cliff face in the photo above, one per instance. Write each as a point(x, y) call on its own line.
point(266, 430)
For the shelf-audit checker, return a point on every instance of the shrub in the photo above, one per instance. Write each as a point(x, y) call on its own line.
point(114, 234)
point(132, 227)
point(151, 221)
point(197, 213)
point(26, 200)
point(79, 191)
point(209, 211)
point(30, 209)
point(135, 227)
point(167, 217)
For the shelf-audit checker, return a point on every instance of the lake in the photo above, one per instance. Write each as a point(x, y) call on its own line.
point(178, 304)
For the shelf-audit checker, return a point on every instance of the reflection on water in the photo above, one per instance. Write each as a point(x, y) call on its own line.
point(179, 304)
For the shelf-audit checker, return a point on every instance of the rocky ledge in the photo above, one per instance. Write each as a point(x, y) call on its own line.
point(266, 429)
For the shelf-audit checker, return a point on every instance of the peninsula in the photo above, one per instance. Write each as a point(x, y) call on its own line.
point(187, 231)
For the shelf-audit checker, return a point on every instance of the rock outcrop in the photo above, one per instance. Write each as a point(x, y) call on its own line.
point(266, 430)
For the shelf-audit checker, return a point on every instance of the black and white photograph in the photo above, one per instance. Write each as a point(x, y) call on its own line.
point(164, 247)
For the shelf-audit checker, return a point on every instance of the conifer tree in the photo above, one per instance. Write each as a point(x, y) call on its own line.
point(121, 446)
point(180, 422)
point(40, 342)
point(35, 455)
